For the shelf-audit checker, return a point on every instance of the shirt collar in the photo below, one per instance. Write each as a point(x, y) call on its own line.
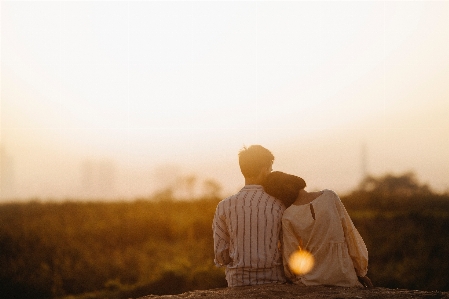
point(249, 187)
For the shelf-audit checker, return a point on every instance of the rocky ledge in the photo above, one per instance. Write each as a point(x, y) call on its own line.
point(288, 291)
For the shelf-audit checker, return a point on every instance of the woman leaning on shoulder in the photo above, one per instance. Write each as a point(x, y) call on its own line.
point(318, 222)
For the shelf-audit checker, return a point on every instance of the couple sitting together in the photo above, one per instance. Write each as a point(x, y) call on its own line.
point(272, 217)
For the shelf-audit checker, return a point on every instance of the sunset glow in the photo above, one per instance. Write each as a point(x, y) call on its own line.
point(185, 85)
point(301, 262)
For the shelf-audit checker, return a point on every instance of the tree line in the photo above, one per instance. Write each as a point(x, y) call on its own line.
point(161, 245)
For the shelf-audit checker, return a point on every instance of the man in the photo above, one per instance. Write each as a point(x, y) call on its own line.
point(247, 226)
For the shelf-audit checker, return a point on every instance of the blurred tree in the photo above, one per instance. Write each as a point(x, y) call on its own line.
point(190, 182)
point(211, 189)
point(185, 187)
point(404, 185)
point(131, 249)
point(164, 194)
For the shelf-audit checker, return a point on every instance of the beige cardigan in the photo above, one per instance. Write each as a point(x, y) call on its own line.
point(338, 249)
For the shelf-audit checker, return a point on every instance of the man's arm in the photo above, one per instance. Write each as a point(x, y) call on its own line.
point(221, 240)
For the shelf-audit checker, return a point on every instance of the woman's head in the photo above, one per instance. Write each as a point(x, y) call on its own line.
point(283, 186)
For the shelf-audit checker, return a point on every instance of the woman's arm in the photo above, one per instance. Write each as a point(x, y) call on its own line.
point(290, 244)
point(365, 281)
point(356, 246)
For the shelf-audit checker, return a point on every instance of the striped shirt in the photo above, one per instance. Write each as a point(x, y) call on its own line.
point(247, 230)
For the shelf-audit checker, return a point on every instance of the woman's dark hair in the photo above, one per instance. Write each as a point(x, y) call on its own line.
point(283, 186)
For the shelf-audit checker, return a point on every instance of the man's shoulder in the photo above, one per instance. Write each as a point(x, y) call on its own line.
point(226, 202)
point(256, 193)
point(229, 198)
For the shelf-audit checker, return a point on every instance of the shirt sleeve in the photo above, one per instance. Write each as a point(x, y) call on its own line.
point(356, 245)
point(221, 240)
point(290, 244)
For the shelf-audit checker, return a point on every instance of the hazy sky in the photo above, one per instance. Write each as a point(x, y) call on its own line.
point(146, 91)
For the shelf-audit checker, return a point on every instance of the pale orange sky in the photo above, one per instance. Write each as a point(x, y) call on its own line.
point(156, 90)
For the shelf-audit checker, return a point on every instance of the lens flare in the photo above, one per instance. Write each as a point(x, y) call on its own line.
point(301, 262)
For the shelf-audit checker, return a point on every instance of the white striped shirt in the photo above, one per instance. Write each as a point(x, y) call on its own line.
point(247, 230)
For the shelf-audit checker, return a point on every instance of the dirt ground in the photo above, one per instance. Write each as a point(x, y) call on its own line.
point(288, 291)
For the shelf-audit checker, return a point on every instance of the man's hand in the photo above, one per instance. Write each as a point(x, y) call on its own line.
point(365, 281)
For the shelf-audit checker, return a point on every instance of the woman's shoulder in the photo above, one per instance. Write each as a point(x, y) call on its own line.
point(324, 193)
point(329, 192)
point(330, 195)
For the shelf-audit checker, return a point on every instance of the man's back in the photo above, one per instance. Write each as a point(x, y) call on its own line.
point(247, 228)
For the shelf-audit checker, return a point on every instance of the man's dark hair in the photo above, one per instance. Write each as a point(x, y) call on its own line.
point(253, 159)
point(283, 186)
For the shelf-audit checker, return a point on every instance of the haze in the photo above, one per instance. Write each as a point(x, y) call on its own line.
point(127, 97)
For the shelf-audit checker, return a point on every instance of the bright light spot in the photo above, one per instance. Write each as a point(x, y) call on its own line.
point(301, 262)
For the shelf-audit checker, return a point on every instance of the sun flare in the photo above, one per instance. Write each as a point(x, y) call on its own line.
point(301, 262)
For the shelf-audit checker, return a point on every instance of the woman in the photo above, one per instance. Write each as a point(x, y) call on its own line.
point(318, 222)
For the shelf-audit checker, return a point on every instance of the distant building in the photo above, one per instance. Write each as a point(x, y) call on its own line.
point(98, 178)
point(6, 174)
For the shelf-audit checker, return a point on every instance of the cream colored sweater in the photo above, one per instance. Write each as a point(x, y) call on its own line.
point(329, 234)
